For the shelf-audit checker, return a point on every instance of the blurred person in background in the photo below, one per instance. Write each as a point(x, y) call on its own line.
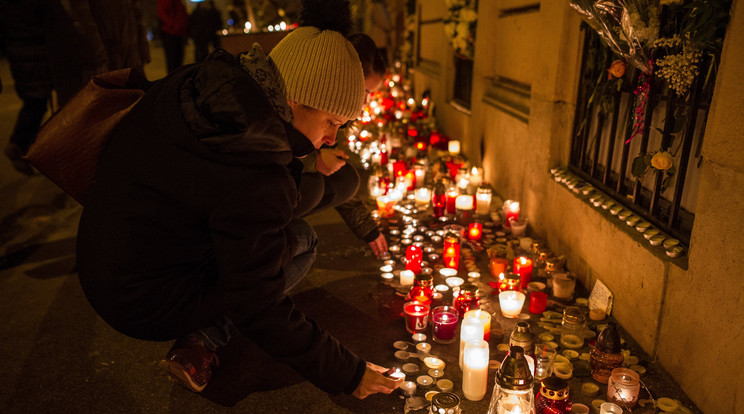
point(174, 29)
point(204, 24)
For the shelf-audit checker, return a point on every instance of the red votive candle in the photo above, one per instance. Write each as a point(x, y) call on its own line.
point(445, 320)
point(523, 267)
point(475, 231)
point(414, 256)
point(451, 252)
point(538, 302)
point(416, 315)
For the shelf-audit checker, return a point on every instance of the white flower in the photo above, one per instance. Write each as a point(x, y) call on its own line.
point(449, 29)
point(468, 14)
point(463, 29)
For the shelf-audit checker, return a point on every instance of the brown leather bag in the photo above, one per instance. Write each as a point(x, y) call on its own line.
point(69, 144)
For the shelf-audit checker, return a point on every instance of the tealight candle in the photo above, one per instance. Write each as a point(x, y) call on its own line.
point(475, 370)
point(406, 277)
point(425, 381)
point(408, 388)
point(511, 303)
point(434, 363)
point(423, 346)
point(454, 281)
point(445, 385)
point(386, 268)
point(394, 248)
point(388, 276)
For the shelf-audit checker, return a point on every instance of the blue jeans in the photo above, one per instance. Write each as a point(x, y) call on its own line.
point(223, 329)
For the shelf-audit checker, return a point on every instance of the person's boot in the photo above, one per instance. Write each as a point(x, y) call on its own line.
point(15, 155)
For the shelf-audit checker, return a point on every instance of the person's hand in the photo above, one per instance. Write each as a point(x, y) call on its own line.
point(373, 382)
point(379, 245)
point(330, 160)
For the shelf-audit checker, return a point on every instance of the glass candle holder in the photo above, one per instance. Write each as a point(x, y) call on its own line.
point(414, 257)
point(451, 252)
point(416, 315)
point(623, 387)
point(518, 226)
point(511, 303)
point(444, 324)
point(423, 196)
point(475, 231)
point(483, 198)
point(438, 199)
point(385, 206)
point(498, 266)
point(453, 147)
point(572, 327)
point(511, 210)
point(452, 193)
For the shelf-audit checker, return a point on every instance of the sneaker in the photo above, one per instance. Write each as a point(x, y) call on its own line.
point(190, 363)
point(15, 155)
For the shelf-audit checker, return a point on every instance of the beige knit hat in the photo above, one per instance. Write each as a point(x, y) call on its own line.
point(322, 70)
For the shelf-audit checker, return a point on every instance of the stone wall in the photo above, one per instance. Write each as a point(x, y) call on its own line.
point(524, 97)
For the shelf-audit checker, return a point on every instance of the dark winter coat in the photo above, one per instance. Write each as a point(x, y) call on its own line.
point(187, 220)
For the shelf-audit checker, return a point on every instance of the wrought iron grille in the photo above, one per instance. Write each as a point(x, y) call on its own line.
point(604, 123)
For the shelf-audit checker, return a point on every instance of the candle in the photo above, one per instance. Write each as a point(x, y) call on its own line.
point(420, 175)
point(485, 319)
point(464, 202)
point(474, 231)
point(523, 267)
point(447, 273)
point(452, 194)
point(623, 387)
point(511, 210)
point(423, 195)
point(483, 198)
point(518, 227)
point(453, 147)
point(462, 179)
point(498, 266)
point(451, 252)
point(414, 256)
point(408, 388)
point(445, 320)
point(385, 206)
point(406, 277)
point(416, 316)
point(538, 302)
point(410, 179)
point(511, 303)
point(475, 370)
point(434, 363)
point(476, 176)
point(470, 329)
point(525, 243)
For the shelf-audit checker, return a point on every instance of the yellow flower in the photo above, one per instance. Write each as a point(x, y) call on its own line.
point(617, 69)
point(662, 161)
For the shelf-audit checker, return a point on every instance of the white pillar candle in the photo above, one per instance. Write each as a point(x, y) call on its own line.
point(406, 278)
point(454, 147)
point(475, 370)
point(470, 329)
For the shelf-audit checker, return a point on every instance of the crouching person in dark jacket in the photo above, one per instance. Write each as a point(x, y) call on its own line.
point(189, 231)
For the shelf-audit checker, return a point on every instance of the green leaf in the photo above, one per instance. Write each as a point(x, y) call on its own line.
point(639, 167)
